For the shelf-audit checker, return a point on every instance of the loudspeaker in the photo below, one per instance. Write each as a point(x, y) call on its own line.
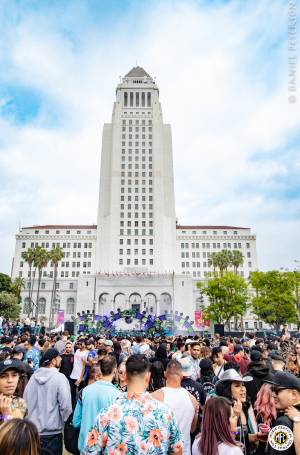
point(219, 328)
point(69, 326)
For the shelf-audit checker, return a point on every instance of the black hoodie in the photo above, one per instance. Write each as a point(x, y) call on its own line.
point(259, 372)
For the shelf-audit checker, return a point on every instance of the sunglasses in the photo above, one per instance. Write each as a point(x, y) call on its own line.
point(276, 390)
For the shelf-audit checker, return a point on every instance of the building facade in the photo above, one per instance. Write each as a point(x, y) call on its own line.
point(137, 255)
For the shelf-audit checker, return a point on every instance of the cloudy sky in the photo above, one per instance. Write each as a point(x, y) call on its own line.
point(222, 69)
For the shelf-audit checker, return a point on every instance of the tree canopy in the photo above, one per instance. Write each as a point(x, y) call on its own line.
point(9, 306)
point(274, 300)
point(227, 297)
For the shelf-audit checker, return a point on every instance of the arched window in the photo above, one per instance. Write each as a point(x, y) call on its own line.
point(42, 306)
point(70, 309)
point(125, 99)
point(26, 306)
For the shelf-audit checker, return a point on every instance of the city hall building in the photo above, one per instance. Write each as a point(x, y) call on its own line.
point(137, 255)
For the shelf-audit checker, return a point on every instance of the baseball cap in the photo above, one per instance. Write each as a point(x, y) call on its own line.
point(275, 355)
point(6, 340)
point(108, 343)
point(19, 349)
point(284, 380)
point(49, 355)
point(255, 355)
point(8, 365)
point(186, 366)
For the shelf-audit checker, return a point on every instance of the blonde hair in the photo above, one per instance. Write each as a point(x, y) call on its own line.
point(19, 437)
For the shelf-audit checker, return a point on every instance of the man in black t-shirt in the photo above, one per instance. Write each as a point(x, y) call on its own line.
point(67, 360)
point(286, 392)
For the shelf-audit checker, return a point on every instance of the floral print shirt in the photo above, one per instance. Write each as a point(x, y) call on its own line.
point(135, 424)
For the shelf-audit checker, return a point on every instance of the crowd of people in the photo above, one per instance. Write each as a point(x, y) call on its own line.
point(96, 394)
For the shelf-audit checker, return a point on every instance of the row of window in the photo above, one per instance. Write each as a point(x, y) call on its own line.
point(205, 232)
point(198, 264)
point(136, 190)
point(136, 241)
point(136, 252)
point(37, 231)
point(136, 198)
point(137, 136)
point(137, 129)
point(136, 223)
point(205, 255)
point(136, 166)
point(63, 274)
point(135, 262)
point(136, 122)
point(136, 232)
point(136, 174)
point(213, 245)
point(129, 158)
point(70, 306)
point(63, 245)
point(136, 144)
point(136, 207)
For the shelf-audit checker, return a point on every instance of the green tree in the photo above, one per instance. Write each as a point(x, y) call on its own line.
point(17, 286)
point(9, 306)
point(56, 255)
point(237, 260)
point(41, 259)
point(5, 283)
point(274, 299)
point(227, 297)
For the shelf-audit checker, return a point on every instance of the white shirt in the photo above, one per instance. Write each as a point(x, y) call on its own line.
point(78, 363)
point(223, 449)
point(178, 399)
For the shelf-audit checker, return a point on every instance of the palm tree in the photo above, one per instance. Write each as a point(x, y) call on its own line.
point(213, 261)
point(28, 257)
point(56, 255)
point(237, 259)
point(40, 261)
point(223, 260)
point(17, 285)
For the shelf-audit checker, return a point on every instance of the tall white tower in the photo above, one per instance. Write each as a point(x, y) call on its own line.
point(136, 214)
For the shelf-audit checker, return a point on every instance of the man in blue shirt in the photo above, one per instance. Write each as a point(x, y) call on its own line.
point(32, 355)
point(95, 398)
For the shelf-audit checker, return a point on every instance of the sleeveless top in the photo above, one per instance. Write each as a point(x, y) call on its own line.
point(179, 401)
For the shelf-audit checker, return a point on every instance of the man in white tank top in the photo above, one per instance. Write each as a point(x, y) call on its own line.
point(180, 401)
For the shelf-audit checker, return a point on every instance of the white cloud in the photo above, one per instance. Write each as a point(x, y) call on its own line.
point(223, 89)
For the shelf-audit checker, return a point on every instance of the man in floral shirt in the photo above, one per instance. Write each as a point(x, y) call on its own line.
point(136, 423)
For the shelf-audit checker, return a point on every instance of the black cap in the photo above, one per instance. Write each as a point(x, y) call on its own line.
point(285, 380)
point(9, 365)
point(6, 340)
point(255, 355)
point(19, 349)
point(275, 355)
point(49, 355)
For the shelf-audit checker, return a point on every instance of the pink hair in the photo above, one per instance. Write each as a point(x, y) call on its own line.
point(265, 404)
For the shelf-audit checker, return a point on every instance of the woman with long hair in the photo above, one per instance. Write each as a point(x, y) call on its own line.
point(219, 426)
point(232, 386)
point(265, 413)
point(157, 378)
point(19, 437)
